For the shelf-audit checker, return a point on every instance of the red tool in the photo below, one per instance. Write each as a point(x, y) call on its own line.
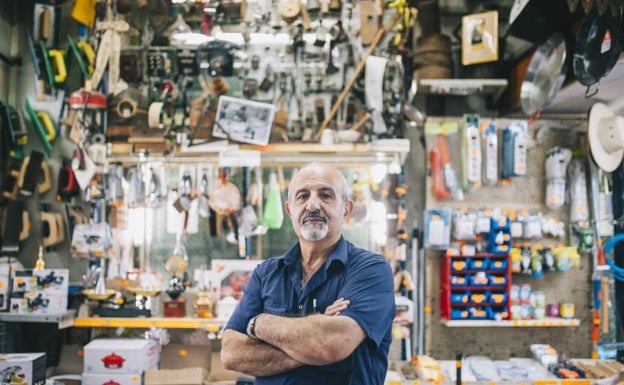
point(440, 191)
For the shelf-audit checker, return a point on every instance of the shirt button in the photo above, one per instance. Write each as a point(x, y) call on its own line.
point(300, 306)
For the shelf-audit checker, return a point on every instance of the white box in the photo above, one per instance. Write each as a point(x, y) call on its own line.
point(29, 368)
point(113, 378)
point(47, 280)
point(39, 302)
point(5, 286)
point(186, 376)
point(121, 355)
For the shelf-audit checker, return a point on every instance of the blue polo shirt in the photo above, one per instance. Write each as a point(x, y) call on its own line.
point(350, 272)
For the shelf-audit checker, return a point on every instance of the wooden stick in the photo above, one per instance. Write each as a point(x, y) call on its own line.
point(380, 34)
point(604, 305)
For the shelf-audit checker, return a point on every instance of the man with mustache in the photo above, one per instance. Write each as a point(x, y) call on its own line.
point(322, 312)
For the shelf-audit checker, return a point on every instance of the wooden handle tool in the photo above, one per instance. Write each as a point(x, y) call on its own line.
point(356, 73)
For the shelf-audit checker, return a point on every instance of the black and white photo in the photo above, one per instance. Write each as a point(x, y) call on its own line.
point(244, 120)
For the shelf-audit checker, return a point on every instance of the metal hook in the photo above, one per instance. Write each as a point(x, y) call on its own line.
point(589, 94)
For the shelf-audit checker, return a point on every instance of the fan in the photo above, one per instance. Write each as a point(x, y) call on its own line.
point(606, 137)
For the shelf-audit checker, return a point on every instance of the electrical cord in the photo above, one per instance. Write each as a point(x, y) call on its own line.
point(616, 270)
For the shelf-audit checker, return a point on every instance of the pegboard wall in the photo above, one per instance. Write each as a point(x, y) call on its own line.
point(573, 286)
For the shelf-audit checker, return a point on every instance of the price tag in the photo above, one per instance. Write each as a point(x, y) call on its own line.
point(233, 156)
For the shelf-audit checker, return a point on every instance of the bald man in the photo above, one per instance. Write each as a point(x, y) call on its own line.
point(322, 312)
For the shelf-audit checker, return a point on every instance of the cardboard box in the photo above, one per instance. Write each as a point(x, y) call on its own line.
point(121, 356)
point(23, 368)
point(39, 302)
point(4, 292)
point(187, 376)
point(181, 356)
point(111, 378)
point(47, 280)
point(218, 374)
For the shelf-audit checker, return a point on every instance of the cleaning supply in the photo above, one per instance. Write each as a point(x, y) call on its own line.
point(577, 177)
point(557, 160)
point(471, 147)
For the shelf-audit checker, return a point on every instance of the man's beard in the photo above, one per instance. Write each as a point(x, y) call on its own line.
point(314, 231)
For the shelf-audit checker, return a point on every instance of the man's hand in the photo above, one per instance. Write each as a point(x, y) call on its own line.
point(339, 305)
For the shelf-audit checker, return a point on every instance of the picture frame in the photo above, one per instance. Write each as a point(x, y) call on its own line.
point(480, 38)
point(245, 121)
point(229, 277)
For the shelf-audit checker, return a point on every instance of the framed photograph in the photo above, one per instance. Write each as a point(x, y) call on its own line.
point(244, 121)
point(480, 38)
point(229, 277)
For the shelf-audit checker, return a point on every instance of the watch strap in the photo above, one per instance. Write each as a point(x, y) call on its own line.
point(251, 327)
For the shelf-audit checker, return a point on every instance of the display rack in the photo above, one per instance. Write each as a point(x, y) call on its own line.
point(475, 287)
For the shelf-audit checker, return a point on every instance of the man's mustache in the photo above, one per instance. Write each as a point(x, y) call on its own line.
point(314, 214)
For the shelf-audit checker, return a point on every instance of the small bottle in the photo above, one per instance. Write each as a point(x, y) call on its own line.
point(40, 264)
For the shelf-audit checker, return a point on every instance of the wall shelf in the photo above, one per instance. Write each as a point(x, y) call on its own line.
point(547, 322)
point(284, 154)
point(207, 324)
point(64, 320)
point(463, 87)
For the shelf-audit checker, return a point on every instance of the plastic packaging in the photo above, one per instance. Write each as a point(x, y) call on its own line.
point(273, 214)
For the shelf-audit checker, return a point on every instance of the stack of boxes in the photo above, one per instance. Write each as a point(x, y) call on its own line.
point(119, 361)
point(23, 368)
point(40, 291)
point(5, 287)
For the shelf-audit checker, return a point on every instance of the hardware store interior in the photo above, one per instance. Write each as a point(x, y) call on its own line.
point(147, 148)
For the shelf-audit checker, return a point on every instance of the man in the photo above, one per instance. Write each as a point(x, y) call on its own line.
point(322, 312)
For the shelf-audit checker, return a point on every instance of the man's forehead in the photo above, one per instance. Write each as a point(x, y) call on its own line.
point(314, 185)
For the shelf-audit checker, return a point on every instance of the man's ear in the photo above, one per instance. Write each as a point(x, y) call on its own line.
point(348, 208)
point(287, 208)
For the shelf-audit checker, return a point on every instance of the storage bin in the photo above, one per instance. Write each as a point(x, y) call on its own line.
point(479, 264)
point(460, 297)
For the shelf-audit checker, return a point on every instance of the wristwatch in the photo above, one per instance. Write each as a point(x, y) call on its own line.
point(251, 327)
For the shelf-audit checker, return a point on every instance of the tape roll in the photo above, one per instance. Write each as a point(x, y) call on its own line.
point(98, 139)
point(126, 108)
point(153, 114)
point(289, 11)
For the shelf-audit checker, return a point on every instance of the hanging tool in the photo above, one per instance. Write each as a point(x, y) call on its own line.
point(337, 36)
point(53, 226)
point(29, 178)
point(356, 73)
point(440, 190)
point(44, 128)
point(409, 16)
point(108, 52)
point(10, 181)
point(12, 123)
point(80, 51)
point(40, 81)
point(67, 185)
point(450, 176)
point(12, 225)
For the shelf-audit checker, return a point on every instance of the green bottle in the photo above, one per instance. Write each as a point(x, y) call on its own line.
point(273, 214)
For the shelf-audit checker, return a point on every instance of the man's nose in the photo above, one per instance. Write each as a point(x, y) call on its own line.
point(313, 203)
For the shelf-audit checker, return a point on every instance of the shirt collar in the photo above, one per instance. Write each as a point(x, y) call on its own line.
point(339, 254)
